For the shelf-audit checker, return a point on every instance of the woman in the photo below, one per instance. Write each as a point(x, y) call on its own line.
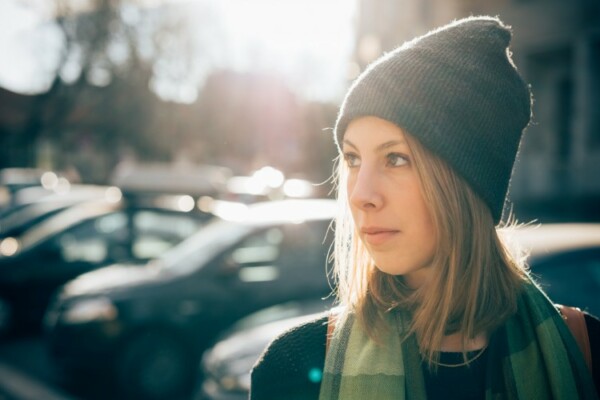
point(433, 305)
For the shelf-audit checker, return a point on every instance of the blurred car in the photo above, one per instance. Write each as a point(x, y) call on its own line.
point(18, 219)
point(79, 239)
point(14, 180)
point(565, 260)
point(194, 180)
point(148, 326)
point(226, 366)
point(268, 183)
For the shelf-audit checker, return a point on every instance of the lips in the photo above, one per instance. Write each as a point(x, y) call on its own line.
point(375, 236)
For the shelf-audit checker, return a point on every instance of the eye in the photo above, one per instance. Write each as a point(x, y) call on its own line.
point(396, 160)
point(352, 160)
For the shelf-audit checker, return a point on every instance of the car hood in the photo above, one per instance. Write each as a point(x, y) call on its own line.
point(114, 277)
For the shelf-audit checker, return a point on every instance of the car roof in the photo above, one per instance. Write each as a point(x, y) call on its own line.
point(71, 192)
point(169, 178)
point(85, 211)
point(278, 212)
point(557, 237)
point(235, 220)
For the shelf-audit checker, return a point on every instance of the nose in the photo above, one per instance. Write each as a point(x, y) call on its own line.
point(363, 189)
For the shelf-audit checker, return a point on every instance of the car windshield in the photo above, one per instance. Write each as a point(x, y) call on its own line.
point(64, 220)
point(30, 212)
point(200, 248)
point(223, 233)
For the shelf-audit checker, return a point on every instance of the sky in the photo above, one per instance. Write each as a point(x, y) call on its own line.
point(24, 35)
point(309, 43)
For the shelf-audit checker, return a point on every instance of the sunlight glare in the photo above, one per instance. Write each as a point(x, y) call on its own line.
point(113, 194)
point(297, 188)
point(49, 180)
point(229, 210)
point(9, 246)
point(269, 176)
point(185, 203)
point(309, 42)
point(63, 186)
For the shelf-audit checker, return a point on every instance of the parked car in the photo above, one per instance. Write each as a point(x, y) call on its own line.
point(79, 239)
point(148, 326)
point(268, 183)
point(194, 180)
point(565, 260)
point(14, 180)
point(18, 219)
point(225, 372)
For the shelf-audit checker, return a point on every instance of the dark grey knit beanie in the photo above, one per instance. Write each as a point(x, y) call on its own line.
point(457, 91)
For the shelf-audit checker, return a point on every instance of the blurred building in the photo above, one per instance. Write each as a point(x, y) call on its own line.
point(243, 121)
point(557, 48)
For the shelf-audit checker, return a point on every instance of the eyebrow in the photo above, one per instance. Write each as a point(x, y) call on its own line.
point(382, 146)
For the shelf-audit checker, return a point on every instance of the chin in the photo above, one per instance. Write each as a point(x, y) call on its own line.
point(397, 268)
point(390, 270)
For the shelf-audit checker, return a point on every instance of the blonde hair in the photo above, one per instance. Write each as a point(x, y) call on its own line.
point(476, 280)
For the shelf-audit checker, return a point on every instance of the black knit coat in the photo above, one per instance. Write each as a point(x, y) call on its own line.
point(291, 367)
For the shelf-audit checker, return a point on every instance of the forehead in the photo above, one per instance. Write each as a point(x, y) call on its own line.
point(366, 131)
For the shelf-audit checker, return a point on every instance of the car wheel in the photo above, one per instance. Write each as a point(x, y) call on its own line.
point(155, 365)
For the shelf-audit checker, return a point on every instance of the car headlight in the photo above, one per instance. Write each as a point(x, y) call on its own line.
point(88, 310)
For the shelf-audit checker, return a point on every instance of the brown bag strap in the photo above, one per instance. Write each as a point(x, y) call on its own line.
point(331, 320)
point(575, 320)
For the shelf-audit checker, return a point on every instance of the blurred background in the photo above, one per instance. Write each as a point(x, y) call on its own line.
point(88, 86)
point(176, 113)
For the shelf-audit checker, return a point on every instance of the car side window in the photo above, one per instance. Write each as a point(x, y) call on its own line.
point(254, 259)
point(304, 251)
point(291, 252)
point(299, 246)
point(94, 240)
point(156, 232)
point(256, 256)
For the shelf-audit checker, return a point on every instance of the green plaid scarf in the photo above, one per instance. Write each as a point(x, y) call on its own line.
point(532, 356)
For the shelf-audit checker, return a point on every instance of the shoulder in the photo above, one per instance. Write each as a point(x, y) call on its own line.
point(302, 341)
point(292, 365)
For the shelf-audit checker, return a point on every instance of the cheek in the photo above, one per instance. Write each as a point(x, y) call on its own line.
point(416, 208)
point(426, 223)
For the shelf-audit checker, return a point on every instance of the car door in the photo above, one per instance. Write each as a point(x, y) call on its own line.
point(127, 236)
point(155, 231)
point(273, 265)
point(85, 246)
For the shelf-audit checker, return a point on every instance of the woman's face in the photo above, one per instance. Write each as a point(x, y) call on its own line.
point(386, 201)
